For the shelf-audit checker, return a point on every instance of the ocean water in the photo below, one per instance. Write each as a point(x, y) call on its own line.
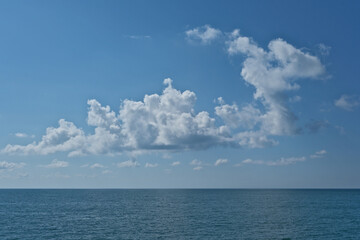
point(179, 214)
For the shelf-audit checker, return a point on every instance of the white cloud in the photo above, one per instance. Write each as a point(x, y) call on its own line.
point(159, 122)
point(138, 37)
point(286, 161)
point(129, 163)
point(23, 135)
point(280, 162)
point(10, 166)
point(204, 34)
point(151, 165)
point(319, 154)
point(273, 74)
point(324, 50)
point(57, 164)
point(348, 102)
point(175, 163)
point(168, 121)
point(97, 165)
point(220, 161)
point(196, 162)
point(247, 117)
point(197, 168)
point(106, 171)
point(66, 137)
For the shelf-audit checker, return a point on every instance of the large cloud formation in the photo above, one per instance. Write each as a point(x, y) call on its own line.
point(273, 73)
point(168, 121)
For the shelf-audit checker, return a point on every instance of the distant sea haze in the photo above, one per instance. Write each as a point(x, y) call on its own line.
point(179, 214)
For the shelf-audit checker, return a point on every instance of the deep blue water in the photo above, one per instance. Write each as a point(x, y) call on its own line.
point(179, 214)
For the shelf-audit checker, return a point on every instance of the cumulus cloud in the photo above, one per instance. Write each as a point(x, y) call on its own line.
point(197, 168)
point(348, 102)
point(168, 121)
point(220, 161)
point(66, 137)
point(57, 164)
point(273, 73)
point(129, 163)
point(10, 166)
point(204, 34)
point(159, 122)
point(247, 117)
point(151, 165)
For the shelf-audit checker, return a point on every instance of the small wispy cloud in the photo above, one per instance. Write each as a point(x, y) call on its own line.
point(9, 166)
point(324, 50)
point(97, 165)
point(295, 99)
point(151, 165)
point(56, 164)
point(23, 135)
point(197, 168)
point(129, 163)
point(138, 37)
point(106, 171)
point(319, 154)
point(220, 161)
point(348, 102)
point(175, 163)
point(204, 34)
point(197, 163)
point(280, 162)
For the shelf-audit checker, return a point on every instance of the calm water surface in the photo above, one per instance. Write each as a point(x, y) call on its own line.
point(179, 214)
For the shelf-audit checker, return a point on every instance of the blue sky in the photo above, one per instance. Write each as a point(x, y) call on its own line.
point(179, 94)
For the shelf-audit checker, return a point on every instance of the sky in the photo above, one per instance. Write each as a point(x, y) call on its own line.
point(179, 94)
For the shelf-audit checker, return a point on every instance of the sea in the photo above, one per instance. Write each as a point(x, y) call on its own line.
point(179, 214)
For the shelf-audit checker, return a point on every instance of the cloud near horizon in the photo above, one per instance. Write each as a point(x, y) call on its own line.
point(282, 161)
point(168, 121)
point(10, 166)
point(56, 164)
